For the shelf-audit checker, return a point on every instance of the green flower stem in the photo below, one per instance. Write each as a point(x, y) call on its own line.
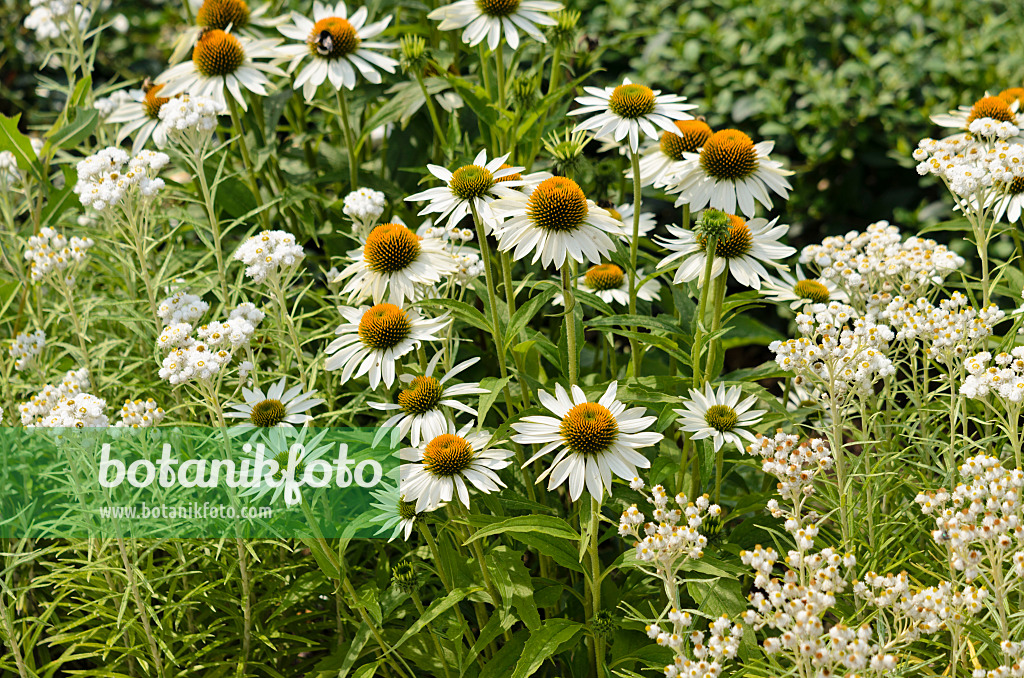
point(702, 305)
point(350, 146)
point(492, 300)
point(634, 247)
point(716, 322)
point(140, 607)
point(285, 322)
point(433, 636)
point(9, 630)
point(236, 122)
point(434, 119)
point(446, 582)
point(76, 322)
point(595, 584)
point(570, 323)
point(510, 301)
point(138, 231)
point(199, 167)
point(835, 435)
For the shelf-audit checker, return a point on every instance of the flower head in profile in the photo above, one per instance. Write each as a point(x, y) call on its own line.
point(800, 290)
point(1010, 203)
point(998, 108)
point(447, 464)
point(611, 284)
point(555, 222)
point(274, 407)
point(222, 62)
point(139, 115)
point(338, 45)
point(491, 19)
point(662, 160)
point(594, 440)
point(289, 451)
point(397, 515)
point(742, 250)
point(730, 171)
point(629, 109)
point(396, 264)
point(373, 338)
point(719, 415)
point(425, 402)
point(471, 188)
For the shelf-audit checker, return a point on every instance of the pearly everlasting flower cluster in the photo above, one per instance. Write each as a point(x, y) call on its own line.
point(34, 411)
point(189, 358)
point(673, 536)
point(76, 411)
point(51, 19)
point(470, 266)
point(980, 520)
point(49, 251)
point(268, 252)
point(9, 174)
point(140, 414)
point(696, 657)
point(921, 610)
point(26, 347)
point(107, 105)
point(948, 331)
point(973, 171)
point(364, 207)
point(874, 265)
point(181, 307)
point(190, 119)
point(839, 351)
point(195, 362)
point(1001, 375)
point(111, 177)
point(796, 464)
point(236, 331)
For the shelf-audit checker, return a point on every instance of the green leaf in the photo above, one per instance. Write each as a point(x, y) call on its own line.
point(543, 644)
point(460, 310)
point(476, 98)
point(495, 386)
point(746, 331)
point(514, 584)
point(81, 124)
point(435, 610)
point(550, 525)
point(525, 313)
point(57, 204)
point(11, 139)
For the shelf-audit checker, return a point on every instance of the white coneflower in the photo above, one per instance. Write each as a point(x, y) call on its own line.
point(286, 447)
point(374, 338)
point(339, 45)
point(1011, 201)
point(275, 407)
point(555, 222)
point(662, 160)
point(222, 62)
point(421, 412)
point(491, 19)
point(800, 290)
point(447, 464)
point(226, 15)
point(471, 187)
point(395, 263)
point(610, 283)
point(624, 213)
point(594, 440)
point(719, 415)
point(730, 171)
point(628, 110)
point(398, 515)
point(742, 249)
point(140, 117)
point(1002, 109)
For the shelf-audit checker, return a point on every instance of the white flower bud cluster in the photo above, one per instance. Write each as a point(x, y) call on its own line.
point(76, 411)
point(470, 266)
point(1001, 375)
point(980, 520)
point(178, 335)
point(140, 414)
point(9, 174)
point(948, 331)
point(39, 406)
point(49, 251)
point(190, 358)
point(182, 307)
point(795, 464)
point(673, 537)
point(467, 259)
point(453, 235)
point(107, 105)
point(26, 347)
point(879, 262)
point(103, 179)
point(51, 19)
point(838, 348)
point(196, 362)
point(364, 207)
point(922, 611)
point(267, 252)
point(190, 119)
point(991, 129)
point(703, 659)
point(236, 331)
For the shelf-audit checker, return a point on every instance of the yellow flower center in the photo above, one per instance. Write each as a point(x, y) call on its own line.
point(422, 395)
point(990, 107)
point(217, 53)
point(153, 103)
point(735, 243)
point(812, 290)
point(589, 428)
point(498, 8)
point(471, 181)
point(390, 248)
point(447, 455)
point(604, 277)
point(1017, 185)
point(510, 177)
point(692, 136)
point(384, 326)
point(557, 204)
point(729, 155)
point(1012, 94)
point(332, 38)
point(267, 413)
point(406, 509)
point(631, 101)
point(282, 465)
point(220, 14)
point(722, 418)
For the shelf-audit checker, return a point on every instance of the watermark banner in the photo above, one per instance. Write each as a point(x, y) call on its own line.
point(197, 482)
